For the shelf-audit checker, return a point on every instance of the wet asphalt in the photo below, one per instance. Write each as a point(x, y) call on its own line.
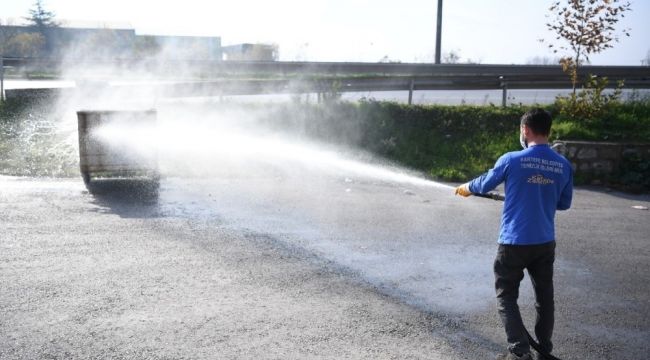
point(283, 266)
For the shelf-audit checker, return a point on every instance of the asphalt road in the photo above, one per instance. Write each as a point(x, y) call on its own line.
point(316, 266)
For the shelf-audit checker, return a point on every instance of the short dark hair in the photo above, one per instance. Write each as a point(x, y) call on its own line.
point(538, 120)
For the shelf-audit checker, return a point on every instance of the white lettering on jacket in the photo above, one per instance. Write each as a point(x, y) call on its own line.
point(536, 163)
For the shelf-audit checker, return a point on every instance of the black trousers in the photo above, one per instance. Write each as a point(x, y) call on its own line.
point(509, 265)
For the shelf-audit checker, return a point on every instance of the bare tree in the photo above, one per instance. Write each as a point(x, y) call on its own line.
point(387, 60)
point(586, 27)
point(543, 60)
point(646, 61)
point(451, 57)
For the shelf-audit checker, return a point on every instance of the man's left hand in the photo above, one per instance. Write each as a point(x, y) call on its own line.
point(463, 190)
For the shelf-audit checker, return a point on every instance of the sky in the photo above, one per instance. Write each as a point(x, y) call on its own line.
point(484, 31)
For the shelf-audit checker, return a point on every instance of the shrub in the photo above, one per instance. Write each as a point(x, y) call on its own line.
point(634, 173)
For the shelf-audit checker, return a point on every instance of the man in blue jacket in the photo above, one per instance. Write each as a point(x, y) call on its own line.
point(538, 181)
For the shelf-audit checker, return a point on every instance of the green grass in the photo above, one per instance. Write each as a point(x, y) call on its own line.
point(621, 122)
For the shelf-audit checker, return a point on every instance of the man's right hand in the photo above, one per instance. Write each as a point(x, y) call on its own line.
point(463, 190)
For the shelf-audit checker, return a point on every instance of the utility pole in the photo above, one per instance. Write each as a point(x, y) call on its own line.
point(439, 32)
point(2, 78)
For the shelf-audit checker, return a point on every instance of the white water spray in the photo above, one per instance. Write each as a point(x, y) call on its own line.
point(213, 143)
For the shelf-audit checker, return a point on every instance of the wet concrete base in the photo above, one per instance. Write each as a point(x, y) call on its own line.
point(125, 189)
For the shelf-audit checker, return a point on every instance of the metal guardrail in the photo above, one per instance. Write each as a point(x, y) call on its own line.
point(332, 68)
point(323, 77)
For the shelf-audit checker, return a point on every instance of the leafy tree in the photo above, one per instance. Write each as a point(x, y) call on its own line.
point(264, 52)
point(145, 46)
point(5, 35)
point(24, 45)
point(587, 27)
point(14, 42)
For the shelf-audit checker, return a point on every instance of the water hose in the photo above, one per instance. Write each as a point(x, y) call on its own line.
point(501, 197)
point(535, 345)
point(492, 195)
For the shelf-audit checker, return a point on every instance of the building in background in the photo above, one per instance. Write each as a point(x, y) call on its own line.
point(69, 42)
point(185, 47)
point(250, 52)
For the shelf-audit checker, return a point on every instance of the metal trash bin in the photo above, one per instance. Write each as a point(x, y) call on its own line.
point(117, 157)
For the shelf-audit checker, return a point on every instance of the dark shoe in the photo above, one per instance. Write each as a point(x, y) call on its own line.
point(511, 356)
point(538, 356)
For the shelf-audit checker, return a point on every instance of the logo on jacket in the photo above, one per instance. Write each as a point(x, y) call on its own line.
point(539, 179)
